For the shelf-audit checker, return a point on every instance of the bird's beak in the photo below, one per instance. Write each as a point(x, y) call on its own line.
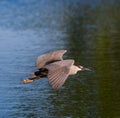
point(84, 68)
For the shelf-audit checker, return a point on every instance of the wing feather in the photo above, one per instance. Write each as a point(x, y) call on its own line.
point(61, 75)
point(58, 72)
point(49, 58)
point(59, 82)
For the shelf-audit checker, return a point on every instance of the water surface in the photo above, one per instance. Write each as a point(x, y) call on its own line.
point(90, 31)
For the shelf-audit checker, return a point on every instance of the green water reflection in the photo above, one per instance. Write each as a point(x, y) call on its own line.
point(93, 35)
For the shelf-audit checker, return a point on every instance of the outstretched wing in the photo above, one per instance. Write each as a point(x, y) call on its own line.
point(58, 72)
point(49, 58)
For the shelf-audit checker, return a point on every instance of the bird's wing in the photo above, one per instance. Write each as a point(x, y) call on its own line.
point(58, 72)
point(49, 58)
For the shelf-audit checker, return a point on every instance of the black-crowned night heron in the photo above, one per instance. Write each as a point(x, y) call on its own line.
point(52, 66)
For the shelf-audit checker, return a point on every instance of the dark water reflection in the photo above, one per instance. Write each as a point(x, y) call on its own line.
point(89, 31)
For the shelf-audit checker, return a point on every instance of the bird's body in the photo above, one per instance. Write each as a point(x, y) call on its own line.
point(73, 70)
point(52, 66)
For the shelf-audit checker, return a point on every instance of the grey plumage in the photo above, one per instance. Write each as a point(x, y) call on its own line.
point(44, 59)
point(57, 70)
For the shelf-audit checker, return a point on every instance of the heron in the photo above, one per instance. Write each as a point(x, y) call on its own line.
point(52, 66)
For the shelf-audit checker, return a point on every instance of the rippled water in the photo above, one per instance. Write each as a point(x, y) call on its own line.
point(90, 31)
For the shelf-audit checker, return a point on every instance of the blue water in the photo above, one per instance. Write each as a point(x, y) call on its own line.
point(88, 30)
point(18, 50)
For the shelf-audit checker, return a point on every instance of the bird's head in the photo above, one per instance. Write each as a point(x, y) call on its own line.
point(82, 68)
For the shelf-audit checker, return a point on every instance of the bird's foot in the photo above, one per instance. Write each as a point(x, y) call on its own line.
point(27, 80)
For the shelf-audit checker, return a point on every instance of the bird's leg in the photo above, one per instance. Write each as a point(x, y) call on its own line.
point(43, 72)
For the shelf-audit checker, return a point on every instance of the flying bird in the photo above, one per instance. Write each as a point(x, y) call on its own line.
point(52, 66)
